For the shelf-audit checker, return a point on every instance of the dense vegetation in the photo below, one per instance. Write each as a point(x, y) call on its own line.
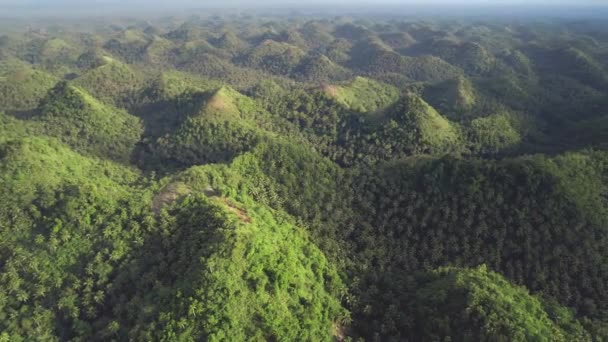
point(250, 178)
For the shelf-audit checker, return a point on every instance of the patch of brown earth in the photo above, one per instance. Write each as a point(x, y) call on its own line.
point(240, 213)
point(169, 194)
point(329, 89)
point(217, 103)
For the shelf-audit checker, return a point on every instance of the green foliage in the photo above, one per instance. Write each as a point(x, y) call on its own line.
point(478, 304)
point(87, 125)
point(21, 88)
point(67, 221)
point(364, 168)
point(11, 128)
point(224, 127)
point(219, 270)
point(494, 133)
point(456, 98)
point(274, 57)
point(113, 82)
point(463, 213)
point(365, 95)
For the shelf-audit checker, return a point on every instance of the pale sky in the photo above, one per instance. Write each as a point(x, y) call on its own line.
point(11, 8)
point(275, 2)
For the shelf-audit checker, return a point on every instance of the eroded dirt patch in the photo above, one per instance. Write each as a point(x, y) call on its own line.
point(240, 213)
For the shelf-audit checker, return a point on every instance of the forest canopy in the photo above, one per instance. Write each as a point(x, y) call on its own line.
point(303, 178)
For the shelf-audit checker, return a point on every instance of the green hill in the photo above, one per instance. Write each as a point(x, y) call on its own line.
point(456, 98)
point(481, 305)
point(473, 58)
point(22, 87)
point(364, 95)
point(130, 45)
point(319, 69)
point(241, 273)
point(170, 84)
point(338, 51)
point(223, 127)
point(113, 82)
point(229, 42)
point(57, 49)
point(420, 122)
point(218, 68)
point(517, 60)
point(398, 40)
point(73, 222)
point(274, 57)
point(186, 32)
point(415, 201)
point(316, 34)
point(159, 51)
point(375, 57)
point(496, 132)
point(79, 120)
point(191, 50)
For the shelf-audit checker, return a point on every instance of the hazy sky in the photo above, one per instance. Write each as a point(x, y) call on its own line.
point(13, 8)
point(275, 2)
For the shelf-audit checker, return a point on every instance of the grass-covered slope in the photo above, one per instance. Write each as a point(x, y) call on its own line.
point(65, 224)
point(428, 130)
point(275, 57)
point(319, 69)
point(478, 304)
point(22, 87)
point(94, 256)
point(113, 82)
point(224, 270)
point(89, 126)
point(456, 98)
point(363, 95)
point(467, 212)
point(223, 127)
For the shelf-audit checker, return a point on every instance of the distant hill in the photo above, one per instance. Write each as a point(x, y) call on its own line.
point(274, 57)
point(113, 82)
point(223, 127)
point(456, 98)
point(480, 304)
point(22, 87)
point(363, 95)
point(89, 126)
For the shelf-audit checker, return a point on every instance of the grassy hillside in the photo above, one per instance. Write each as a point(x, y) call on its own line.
point(364, 95)
point(274, 57)
point(22, 87)
point(223, 127)
point(462, 213)
point(428, 130)
point(227, 270)
point(480, 304)
point(89, 126)
point(112, 82)
point(456, 98)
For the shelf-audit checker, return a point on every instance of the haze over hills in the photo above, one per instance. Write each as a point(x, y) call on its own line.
point(288, 176)
point(410, 8)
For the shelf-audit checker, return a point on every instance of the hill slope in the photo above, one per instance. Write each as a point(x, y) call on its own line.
point(87, 125)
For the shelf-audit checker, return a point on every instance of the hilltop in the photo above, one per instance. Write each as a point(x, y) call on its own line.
point(88, 125)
